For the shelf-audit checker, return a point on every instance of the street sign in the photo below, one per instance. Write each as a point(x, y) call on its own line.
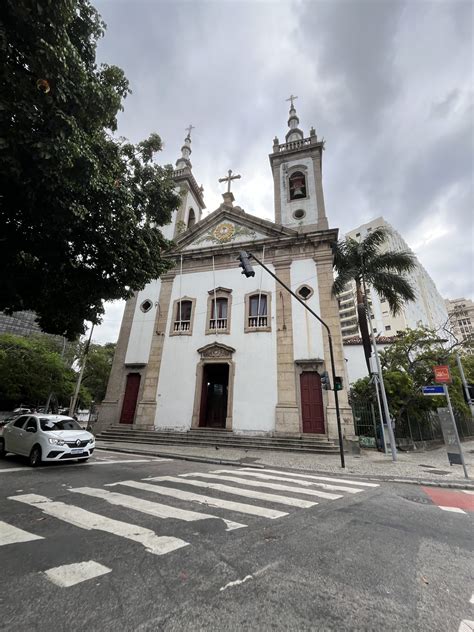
point(433, 390)
point(442, 374)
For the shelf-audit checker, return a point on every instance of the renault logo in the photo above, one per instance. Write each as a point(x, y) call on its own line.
point(78, 442)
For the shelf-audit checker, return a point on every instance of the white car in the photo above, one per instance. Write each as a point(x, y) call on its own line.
point(47, 438)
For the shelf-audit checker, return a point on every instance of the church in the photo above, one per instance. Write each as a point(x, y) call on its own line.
point(206, 347)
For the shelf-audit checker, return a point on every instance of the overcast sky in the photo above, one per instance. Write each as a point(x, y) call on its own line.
point(388, 84)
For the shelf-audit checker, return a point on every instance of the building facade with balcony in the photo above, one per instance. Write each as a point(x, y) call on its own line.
point(461, 321)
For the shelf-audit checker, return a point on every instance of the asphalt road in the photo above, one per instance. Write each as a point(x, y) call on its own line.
point(79, 552)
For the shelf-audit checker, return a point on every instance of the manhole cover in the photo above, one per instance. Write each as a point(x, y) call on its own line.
point(440, 472)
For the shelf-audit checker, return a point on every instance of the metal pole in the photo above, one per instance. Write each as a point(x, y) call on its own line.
point(446, 393)
point(470, 403)
point(393, 447)
point(331, 353)
point(81, 372)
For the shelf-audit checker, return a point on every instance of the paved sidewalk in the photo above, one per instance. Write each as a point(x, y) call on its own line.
point(418, 466)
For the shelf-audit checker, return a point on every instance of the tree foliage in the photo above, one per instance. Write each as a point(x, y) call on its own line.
point(80, 209)
point(97, 371)
point(407, 366)
point(364, 264)
point(31, 369)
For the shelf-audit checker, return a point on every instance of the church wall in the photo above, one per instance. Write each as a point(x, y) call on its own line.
point(307, 334)
point(308, 204)
point(141, 333)
point(255, 382)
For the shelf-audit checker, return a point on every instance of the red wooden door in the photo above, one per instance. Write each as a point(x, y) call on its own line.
point(312, 409)
point(130, 398)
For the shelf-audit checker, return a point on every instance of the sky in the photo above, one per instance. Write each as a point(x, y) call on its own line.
point(387, 84)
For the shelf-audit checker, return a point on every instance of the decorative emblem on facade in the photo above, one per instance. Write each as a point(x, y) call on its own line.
point(216, 350)
point(226, 232)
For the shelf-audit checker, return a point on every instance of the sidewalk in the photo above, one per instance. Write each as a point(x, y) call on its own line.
point(417, 467)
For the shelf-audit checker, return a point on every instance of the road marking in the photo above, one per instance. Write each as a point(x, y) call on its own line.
point(471, 600)
point(72, 574)
point(453, 509)
point(248, 493)
point(277, 486)
point(121, 461)
point(317, 478)
point(205, 500)
point(151, 508)
point(450, 498)
point(12, 535)
point(159, 545)
point(466, 626)
point(6, 470)
point(467, 491)
point(340, 488)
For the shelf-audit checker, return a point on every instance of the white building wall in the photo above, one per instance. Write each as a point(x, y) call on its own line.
point(308, 204)
point(355, 361)
point(307, 332)
point(168, 230)
point(141, 333)
point(255, 380)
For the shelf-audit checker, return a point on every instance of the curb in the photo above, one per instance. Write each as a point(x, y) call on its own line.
point(259, 466)
point(182, 457)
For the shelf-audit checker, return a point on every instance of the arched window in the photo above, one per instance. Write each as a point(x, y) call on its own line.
point(183, 316)
point(191, 218)
point(218, 310)
point(218, 314)
point(297, 185)
point(257, 308)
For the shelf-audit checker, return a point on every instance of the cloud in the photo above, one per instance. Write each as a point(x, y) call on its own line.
point(387, 84)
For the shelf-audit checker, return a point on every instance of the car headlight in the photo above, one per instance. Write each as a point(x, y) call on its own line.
point(56, 441)
point(92, 440)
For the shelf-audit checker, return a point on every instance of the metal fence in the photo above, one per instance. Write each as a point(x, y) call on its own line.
point(424, 426)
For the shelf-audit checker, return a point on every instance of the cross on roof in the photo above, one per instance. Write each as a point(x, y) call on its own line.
point(292, 98)
point(228, 179)
point(188, 129)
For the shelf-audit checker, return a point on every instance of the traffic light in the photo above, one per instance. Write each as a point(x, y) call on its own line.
point(470, 388)
point(338, 383)
point(245, 264)
point(325, 383)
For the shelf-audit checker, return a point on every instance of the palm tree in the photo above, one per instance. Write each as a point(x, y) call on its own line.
point(363, 263)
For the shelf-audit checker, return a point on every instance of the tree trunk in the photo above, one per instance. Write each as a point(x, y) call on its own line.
point(363, 325)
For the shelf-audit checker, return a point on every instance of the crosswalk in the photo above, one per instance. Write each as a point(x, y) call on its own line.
point(234, 496)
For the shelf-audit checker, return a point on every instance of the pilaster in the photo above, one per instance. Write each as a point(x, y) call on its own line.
point(146, 409)
point(287, 417)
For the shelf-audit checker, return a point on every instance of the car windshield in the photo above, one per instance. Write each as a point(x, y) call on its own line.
point(59, 424)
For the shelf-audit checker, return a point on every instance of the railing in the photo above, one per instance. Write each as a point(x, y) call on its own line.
point(182, 325)
point(294, 144)
point(258, 321)
point(221, 323)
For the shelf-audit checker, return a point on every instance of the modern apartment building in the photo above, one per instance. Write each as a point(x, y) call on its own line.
point(428, 309)
point(461, 318)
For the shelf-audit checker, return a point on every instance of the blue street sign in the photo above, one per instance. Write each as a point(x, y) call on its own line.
point(433, 390)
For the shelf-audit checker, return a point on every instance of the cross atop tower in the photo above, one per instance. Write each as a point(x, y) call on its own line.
point(188, 129)
point(291, 98)
point(229, 178)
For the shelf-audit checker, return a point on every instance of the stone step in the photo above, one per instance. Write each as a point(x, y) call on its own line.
point(221, 440)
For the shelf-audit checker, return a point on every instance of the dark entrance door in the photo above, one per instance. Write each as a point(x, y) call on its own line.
point(215, 386)
point(312, 409)
point(130, 398)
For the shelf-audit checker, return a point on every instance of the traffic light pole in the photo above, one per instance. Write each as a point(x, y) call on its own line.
point(331, 352)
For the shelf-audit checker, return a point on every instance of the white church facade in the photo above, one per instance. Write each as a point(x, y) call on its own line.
point(206, 347)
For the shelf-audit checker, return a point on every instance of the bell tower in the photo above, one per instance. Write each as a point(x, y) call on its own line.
point(297, 177)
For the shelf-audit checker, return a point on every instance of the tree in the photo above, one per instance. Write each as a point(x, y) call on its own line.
point(364, 264)
point(97, 370)
point(80, 209)
point(30, 370)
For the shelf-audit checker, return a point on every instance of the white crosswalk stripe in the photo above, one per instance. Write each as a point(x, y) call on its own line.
point(152, 508)
point(274, 477)
point(277, 486)
point(316, 478)
point(159, 545)
point(12, 535)
point(238, 491)
point(205, 500)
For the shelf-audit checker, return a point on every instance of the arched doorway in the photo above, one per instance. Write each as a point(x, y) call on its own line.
point(312, 409)
point(130, 398)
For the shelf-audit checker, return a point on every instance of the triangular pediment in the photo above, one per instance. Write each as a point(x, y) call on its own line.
point(229, 226)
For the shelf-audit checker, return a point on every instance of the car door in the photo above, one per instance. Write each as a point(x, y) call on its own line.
point(29, 437)
point(13, 434)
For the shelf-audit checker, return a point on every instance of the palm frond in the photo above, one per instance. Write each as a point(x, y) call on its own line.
point(401, 262)
point(394, 288)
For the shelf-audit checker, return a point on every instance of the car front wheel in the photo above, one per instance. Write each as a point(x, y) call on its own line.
point(35, 456)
